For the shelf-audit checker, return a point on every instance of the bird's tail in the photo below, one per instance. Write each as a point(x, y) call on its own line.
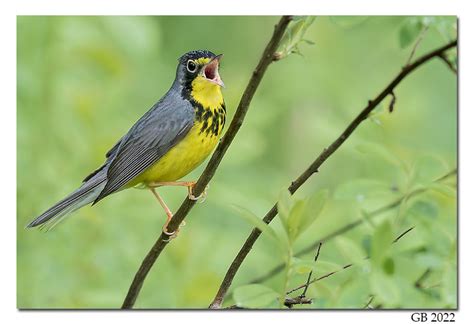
point(84, 195)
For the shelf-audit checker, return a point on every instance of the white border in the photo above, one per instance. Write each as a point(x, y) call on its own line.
point(244, 7)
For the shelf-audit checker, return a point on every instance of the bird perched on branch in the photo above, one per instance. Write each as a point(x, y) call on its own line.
point(165, 144)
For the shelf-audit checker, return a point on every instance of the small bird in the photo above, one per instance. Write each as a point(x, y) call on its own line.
point(164, 145)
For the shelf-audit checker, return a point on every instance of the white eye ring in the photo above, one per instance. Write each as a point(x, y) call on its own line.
point(191, 66)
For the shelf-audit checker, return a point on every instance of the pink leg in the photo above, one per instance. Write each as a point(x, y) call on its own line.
point(189, 184)
point(168, 212)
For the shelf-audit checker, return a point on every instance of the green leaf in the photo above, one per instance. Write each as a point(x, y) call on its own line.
point(314, 206)
point(429, 260)
point(444, 189)
point(254, 296)
point(294, 35)
point(367, 243)
point(424, 211)
point(302, 266)
point(255, 221)
point(304, 212)
point(294, 220)
point(449, 286)
point(388, 266)
point(374, 150)
point(428, 168)
point(324, 267)
point(384, 288)
point(320, 267)
point(409, 31)
point(284, 206)
point(381, 243)
point(350, 249)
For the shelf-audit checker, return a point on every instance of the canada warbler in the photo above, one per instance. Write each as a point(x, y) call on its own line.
point(165, 144)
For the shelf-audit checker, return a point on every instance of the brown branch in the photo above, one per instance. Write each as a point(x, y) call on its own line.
point(450, 64)
point(299, 300)
point(419, 282)
point(303, 294)
point(289, 302)
point(206, 176)
point(247, 246)
point(392, 102)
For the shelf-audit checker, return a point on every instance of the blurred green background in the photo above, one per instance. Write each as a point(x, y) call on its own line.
point(83, 81)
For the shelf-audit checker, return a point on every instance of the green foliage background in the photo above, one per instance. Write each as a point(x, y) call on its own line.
point(83, 81)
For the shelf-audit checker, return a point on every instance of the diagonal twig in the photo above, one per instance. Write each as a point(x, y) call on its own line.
point(446, 60)
point(303, 294)
point(206, 176)
point(327, 152)
point(367, 305)
point(301, 299)
point(418, 41)
point(346, 266)
point(419, 282)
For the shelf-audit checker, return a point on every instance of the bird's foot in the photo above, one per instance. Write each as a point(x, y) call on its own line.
point(174, 234)
point(201, 198)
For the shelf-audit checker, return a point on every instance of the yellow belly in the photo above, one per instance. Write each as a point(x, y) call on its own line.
point(190, 152)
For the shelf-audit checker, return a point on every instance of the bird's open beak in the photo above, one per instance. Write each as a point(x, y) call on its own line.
point(211, 71)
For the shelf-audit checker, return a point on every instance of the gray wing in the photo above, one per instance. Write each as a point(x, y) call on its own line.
point(162, 127)
point(108, 156)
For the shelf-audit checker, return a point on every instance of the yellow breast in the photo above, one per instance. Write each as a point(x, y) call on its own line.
point(183, 158)
point(196, 146)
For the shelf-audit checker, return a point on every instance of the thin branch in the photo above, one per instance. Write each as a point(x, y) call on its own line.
point(447, 175)
point(293, 301)
point(346, 228)
point(346, 266)
point(289, 302)
point(392, 102)
point(206, 176)
point(450, 64)
point(299, 300)
point(419, 282)
point(418, 41)
point(367, 306)
point(303, 294)
point(372, 104)
point(403, 234)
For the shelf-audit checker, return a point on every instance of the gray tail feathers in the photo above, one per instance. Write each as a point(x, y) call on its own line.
point(84, 195)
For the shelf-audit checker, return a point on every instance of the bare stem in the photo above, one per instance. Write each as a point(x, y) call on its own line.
point(303, 294)
point(418, 41)
point(305, 286)
point(450, 65)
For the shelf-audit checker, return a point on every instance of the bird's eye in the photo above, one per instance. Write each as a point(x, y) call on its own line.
point(191, 66)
